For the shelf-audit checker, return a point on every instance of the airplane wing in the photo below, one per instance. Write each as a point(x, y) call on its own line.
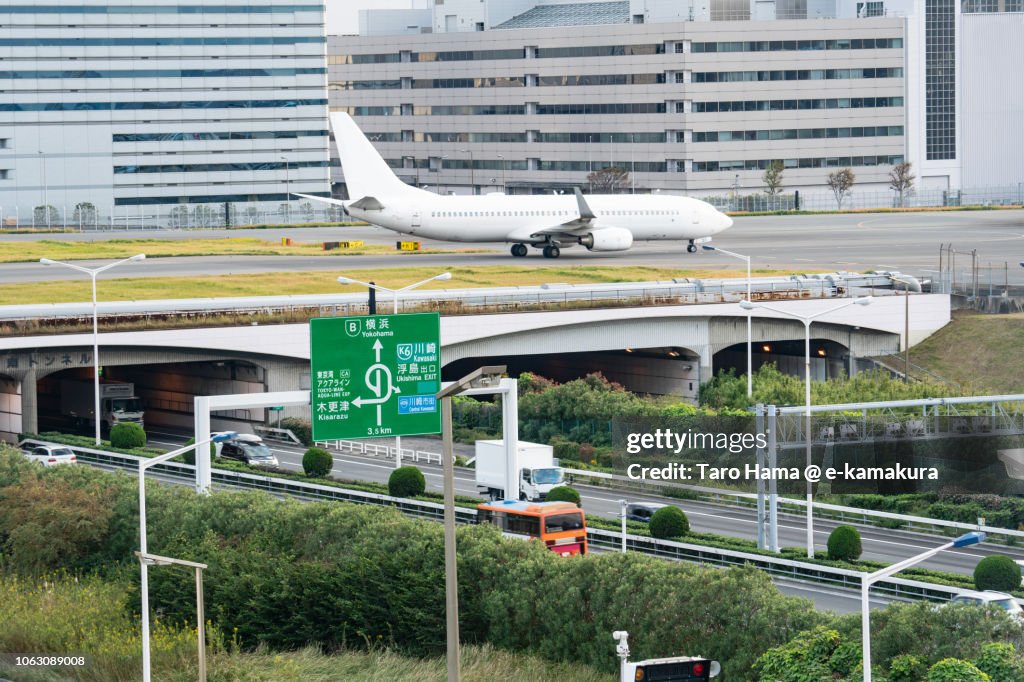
point(326, 200)
point(576, 227)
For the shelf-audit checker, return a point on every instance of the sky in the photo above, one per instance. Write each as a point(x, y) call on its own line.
point(343, 15)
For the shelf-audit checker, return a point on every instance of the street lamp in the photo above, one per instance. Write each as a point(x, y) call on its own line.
point(472, 171)
point(907, 282)
point(807, 319)
point(868, 579)
point(287, 190)
point(46, 204)
point(444, 276)
point(143, 554)
point(483, 378)
point(750, 364)
point(504, 187)
point(92, 272)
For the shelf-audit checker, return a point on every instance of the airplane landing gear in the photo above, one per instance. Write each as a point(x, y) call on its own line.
point(552, 251)
point(692, 248)
point(519, 250)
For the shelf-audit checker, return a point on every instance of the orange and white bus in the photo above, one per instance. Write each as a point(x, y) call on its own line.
point(561, 526)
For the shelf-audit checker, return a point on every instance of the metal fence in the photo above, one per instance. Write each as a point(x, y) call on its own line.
point(825, 200)
point(86, 217)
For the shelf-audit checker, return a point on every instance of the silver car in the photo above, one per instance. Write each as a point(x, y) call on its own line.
point(51, 455)
point(1000, 599)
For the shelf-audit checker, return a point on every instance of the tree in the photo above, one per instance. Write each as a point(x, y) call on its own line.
point(45, 216)
point(610, 180)
point(841, 182)
point(564, 493)
point(317, 462)
point(773, 178)
point(997, 572)
point(85, 214)
point(901, 179)
point(844, 544)
point(669, 522)
point(954, 670)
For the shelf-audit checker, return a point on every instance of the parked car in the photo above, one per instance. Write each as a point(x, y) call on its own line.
point(642, 511)
point(1000, 599)
point(51, 455)
point(248, 448)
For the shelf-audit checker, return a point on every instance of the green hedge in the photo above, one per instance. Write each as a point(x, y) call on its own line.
point(997, 572)
point(127, 435)
point(287, 573)
point(844, 544)
point(406, 481)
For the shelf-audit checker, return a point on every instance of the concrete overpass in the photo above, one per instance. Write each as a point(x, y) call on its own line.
point(662, 350)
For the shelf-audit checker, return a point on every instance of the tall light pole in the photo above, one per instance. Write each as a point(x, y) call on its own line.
point(144, 557)
point(868, 579)
point(472, 171)
point(46, 203)
point(443, 277)
point(482, 379)
point(907, 282)
point(504, 187)
point(750, 363)
point(92, 272)
point(807, 319)
point(287, 190)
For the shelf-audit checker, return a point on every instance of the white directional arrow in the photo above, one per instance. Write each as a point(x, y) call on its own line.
point(376, 347)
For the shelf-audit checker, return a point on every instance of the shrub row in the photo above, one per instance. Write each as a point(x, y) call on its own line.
point(287, 573)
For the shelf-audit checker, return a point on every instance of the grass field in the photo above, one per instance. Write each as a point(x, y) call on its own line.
point(324, 282)
point(63, 615)
point(982, 353)
point(55, 249)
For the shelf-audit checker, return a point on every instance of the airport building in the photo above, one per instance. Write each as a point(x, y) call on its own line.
point(698, 97)
point(110, 105)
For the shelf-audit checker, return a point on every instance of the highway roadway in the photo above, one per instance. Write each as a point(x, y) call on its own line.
point(879, 544)
point(908, 242)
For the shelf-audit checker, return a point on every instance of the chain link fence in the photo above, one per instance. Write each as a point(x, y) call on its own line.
point(87, 217)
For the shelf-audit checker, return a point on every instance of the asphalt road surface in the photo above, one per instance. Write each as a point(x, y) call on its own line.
point(879, 544)
point(908, 242)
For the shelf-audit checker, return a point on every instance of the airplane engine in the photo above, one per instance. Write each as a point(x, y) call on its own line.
point(608, 239)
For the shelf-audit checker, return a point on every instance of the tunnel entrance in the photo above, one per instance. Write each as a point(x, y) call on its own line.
point(829, 360)
point(655, 371)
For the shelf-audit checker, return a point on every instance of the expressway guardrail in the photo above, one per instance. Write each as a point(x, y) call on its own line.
point(677, 551)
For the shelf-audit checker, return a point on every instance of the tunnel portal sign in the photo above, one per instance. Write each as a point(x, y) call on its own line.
point(375, 375)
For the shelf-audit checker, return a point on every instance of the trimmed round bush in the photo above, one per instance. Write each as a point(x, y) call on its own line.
point(317, 462)
point(997, 572)
point(406, 482)
point(669, 522)
point(844, 544)
point(127, 435)
point(189, 456)
point(564, 493)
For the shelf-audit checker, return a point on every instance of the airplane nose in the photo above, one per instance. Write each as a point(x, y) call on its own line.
point(724, 222)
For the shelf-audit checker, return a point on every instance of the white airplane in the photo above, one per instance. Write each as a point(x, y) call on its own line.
point(600, 222)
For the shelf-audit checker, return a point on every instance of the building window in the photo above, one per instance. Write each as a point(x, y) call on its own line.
point(940, 79)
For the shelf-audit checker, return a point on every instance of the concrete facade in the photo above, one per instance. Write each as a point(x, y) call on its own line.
point(152, 102)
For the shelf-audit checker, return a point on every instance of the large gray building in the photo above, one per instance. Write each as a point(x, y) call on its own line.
point(691, 97)
point(149, 102)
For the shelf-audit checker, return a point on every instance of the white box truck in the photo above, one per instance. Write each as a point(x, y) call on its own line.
point(538, 470)
point(118, 403)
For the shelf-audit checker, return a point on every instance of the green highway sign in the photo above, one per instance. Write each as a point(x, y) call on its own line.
point(375, 375)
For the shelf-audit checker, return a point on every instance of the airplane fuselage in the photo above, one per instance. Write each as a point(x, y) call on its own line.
point(512, 219)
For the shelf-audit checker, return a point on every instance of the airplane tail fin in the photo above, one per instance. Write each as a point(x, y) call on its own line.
point(366, 172)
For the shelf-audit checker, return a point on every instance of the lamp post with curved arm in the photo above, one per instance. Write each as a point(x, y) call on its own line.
point(807, 319)
point(92, 272)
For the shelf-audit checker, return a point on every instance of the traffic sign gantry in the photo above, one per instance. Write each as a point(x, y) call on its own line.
point(375, 375)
